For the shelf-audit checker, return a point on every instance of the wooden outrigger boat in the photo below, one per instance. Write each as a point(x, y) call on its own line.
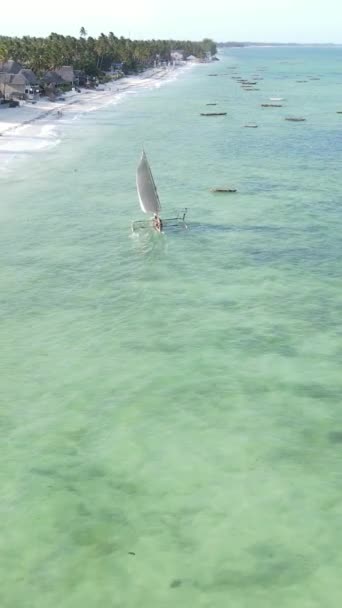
point(213, 113)
point(223, 190)
point(150, 203)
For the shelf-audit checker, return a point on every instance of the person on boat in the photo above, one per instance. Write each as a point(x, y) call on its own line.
point(157, 223)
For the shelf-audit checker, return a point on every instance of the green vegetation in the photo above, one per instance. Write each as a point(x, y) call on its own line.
point(95, 55)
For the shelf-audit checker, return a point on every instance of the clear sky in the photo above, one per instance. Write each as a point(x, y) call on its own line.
point(254, 20)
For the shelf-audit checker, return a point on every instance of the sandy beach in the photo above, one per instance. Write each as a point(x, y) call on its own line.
point(33, 126)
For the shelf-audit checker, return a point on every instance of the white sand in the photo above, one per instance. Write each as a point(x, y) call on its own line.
point(31, 127)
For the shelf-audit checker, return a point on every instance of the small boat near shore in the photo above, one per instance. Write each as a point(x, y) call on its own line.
point(213, 113)
point(295, 119)
point(211, 104)
point(251, 126)
point(271, 105)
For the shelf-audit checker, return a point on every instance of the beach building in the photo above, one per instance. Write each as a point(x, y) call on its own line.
point(177, 56)
point(67, 74)
point(80, 78)
point(64, 75)
point(16, 81)
point(10, 67)
point(116, 66)
point(50, 82)
point(32, 84)
point(116, 69)
point(52, 79)
point(12, 85)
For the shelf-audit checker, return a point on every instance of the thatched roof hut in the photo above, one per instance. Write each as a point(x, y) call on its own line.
point(66, 72)
point(10, 67)
point(13, 85)
point(30, 76)
point(52, 78)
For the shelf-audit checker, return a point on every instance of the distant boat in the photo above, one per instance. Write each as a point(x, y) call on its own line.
point(223, 190)
point(213, 113)
point(149, 200)
point(294, 119)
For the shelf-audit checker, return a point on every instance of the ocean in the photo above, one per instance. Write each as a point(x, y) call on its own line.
point(171, 424)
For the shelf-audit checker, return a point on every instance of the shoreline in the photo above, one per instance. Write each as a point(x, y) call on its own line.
point(32, 127)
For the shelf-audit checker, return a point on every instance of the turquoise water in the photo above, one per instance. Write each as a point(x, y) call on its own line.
point(171, 425)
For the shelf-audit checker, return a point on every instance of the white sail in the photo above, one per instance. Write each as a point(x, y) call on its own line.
point(147, 191)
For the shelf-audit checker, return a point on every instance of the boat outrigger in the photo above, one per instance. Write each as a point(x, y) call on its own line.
point(150, 203)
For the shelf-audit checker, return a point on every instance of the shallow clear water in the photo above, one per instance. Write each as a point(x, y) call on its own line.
point(177, 396)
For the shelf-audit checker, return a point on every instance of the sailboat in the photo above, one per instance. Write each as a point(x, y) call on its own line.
point(150, 202)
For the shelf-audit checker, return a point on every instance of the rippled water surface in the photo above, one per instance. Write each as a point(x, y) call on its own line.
point(171, 426)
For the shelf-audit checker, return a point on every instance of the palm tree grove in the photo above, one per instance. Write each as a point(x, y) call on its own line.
point(96, 55)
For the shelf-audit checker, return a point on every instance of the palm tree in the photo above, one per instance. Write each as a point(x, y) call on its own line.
point(4, 53)
point(101, 47)
point(83, 32)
